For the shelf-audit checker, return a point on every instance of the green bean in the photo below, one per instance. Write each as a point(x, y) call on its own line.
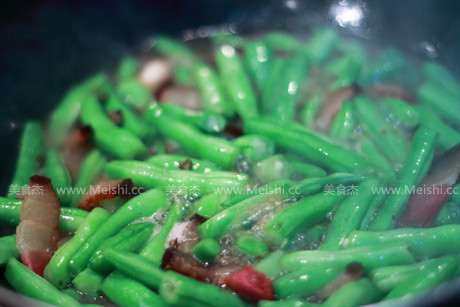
point(127, 292)
point(455, 195)
point(57, 270)
point(147, 175)
point(306, 212)
point(391, 142)
point(214, 149)
point(210, 204)
point(275, 187)
point(236, 82)
point(155, 248)
point(448, 137)
point(354, 294)
point(91, 167)
point(218, 225)
point(127, 69)
point(440, 100)
point(281, 102)
point(349, 215)
point(370, 257)
point(183, 75)
point(88, 283)
point(67, 112)
point(433, 275)
point(227, 37)
point(346, 70)
point(304, 282)
point(251, 246)
point(377, 159)
point(130, 239)
point(213, 97)
point(120, 142)
point(449, 214)
point(287, 303)
point(404, 113)
point(388, 64)
point(26, 282)
point(344, 123)
point(177, 289)
point(130, 120)
point(429, 242)
point(310, 186)
point(282, 41)
point(317, 150)
point(134, 93)
point(208, 121)
point(272, 169)
point(175, 49)
point(173, 162)
point(410, 175)
point(258, 56)
point(69, 220)
point(320, 46)
point(136, 267)
point(271, 264)
point(306, 170)
point(372, 210)
point(140, 206)
point(55, 169)
point(309, 111)
point(389, 277)
point(30, 149)
point(275, 69)
point(206, 250)
point(255, 147)
point(73, 293)
point(438, 74)
point(352, 48)
point(8, 249)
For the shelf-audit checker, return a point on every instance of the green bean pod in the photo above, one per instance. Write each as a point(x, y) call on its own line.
point(449, 214)
point(433, 275)
point(272, 169)
point(295, 302)
point(344, 123)
point(236, 82)
point(173, 162)
point(57, 270)
point(388, 64)
point(206, 250)
point(136, 267)
point(372, 210)
point(56, 170)
point(155, 248)
point(410, 175)
point(119, 142)
point(391, 142)
point(370, 257)
point(275, 69)
point(448, 137)
point(281, 102)
point(282, 41)
point(354, 294)
point(271, 264)
point(210, 204)
point(177, 289)
point(90, 169)
point(66, 113)
point(423, 242)
point(306, 212)
point(349, 215)
point(174, 49)
point(130, 239)
point(258, 56)
point(255, 147)
point(440, 100)
point(140, 206)
point(127, 69)
point(8, 249)
point(127, 292)
point(149, 176)
point(69, 219)
point(320, 46)
point(26, 282)
point(207, 121)
point(404, 113)
point(438, 74)
point(214, 149)
point(88, 283)
point(317, 150)
point(304, 282)
point(252, 246)
point(310, 110)
point(346, 70)
point(377, 159)
point(310, 186)
point(305, 170)
point(133, 93)
point(30, 149)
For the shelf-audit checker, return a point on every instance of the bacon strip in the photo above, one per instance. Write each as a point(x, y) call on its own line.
point(105, 189)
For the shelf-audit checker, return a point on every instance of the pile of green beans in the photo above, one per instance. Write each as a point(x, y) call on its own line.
point(239, 194)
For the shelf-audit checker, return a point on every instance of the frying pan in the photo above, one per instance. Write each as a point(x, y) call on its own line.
point(47, 46)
